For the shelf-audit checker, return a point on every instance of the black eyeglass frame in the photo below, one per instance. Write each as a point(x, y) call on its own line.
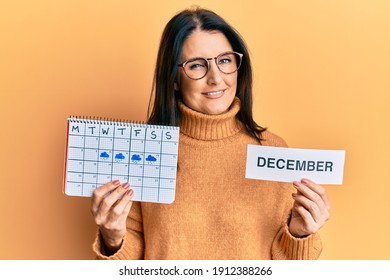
point(182, 65)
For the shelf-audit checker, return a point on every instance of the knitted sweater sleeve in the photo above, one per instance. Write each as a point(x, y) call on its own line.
point(133, 243)
point(287, 247)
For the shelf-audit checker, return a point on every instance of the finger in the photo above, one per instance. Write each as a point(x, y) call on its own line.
point(319, 190)
point(99, 194)
point(124, 205)
point(308, 192)
point(113, 198)
point(311, 207)
point(129, 204)
point(309, 225)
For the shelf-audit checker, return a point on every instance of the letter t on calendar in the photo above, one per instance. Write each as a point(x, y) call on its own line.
point(290, 164)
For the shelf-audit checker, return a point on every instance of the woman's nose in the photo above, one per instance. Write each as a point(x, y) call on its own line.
point(214, 75)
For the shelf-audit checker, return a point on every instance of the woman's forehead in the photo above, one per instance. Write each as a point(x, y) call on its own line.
point(203, 43)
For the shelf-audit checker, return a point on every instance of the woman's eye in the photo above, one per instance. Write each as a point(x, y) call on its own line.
point(196, 66)
point(225, 60)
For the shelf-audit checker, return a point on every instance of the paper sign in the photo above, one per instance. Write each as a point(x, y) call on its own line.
point(288, 164)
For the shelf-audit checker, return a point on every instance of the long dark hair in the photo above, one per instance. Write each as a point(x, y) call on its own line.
point(163, 106)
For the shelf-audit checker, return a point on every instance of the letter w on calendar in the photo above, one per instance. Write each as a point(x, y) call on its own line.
point(290, 164)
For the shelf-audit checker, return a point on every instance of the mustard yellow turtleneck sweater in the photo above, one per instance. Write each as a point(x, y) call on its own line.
point(217, 212)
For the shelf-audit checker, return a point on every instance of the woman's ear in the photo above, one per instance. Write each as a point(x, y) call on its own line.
point(175, 86)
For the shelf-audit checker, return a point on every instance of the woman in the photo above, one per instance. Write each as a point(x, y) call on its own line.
point(203, 82)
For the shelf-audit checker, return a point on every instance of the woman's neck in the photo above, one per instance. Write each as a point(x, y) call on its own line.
point(209, 127)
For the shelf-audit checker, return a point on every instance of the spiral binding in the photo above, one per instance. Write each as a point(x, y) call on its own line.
point(116, 122)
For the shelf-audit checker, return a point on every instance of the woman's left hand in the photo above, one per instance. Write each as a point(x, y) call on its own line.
point(311, 208)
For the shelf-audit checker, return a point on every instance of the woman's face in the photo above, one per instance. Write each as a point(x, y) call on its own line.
point(214, 93)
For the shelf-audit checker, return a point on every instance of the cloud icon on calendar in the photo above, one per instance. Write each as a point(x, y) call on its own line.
point(135, 157)
point(104, 155)
point(119, 156)
point(150, 158)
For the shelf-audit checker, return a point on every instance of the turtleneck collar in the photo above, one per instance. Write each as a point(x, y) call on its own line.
point(209, 127)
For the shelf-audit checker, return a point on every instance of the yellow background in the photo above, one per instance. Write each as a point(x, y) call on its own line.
point(321, 71)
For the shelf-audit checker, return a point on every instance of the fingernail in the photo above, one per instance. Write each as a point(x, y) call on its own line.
point(126, 185)
point(130, 192)
point(116, 182)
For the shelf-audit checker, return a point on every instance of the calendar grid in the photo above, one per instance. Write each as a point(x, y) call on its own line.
point(97, 160)
point(159, 173)
point(112, 157)
point(82, 180)
point(143, 169)
point(102, 151)
point(128, 166)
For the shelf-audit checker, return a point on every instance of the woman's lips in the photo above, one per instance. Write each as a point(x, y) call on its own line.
point(214, 94)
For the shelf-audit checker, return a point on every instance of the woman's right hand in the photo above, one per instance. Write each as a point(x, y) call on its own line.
point(111, 203)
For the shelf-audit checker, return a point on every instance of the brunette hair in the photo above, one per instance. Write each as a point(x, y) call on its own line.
point(163, 106)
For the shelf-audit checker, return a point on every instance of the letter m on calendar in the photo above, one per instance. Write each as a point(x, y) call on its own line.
point(290, 164)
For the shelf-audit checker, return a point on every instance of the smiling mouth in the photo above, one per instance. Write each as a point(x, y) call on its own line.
point(214, 93)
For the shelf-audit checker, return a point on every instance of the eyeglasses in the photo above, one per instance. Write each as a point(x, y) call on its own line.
point(198, 67)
